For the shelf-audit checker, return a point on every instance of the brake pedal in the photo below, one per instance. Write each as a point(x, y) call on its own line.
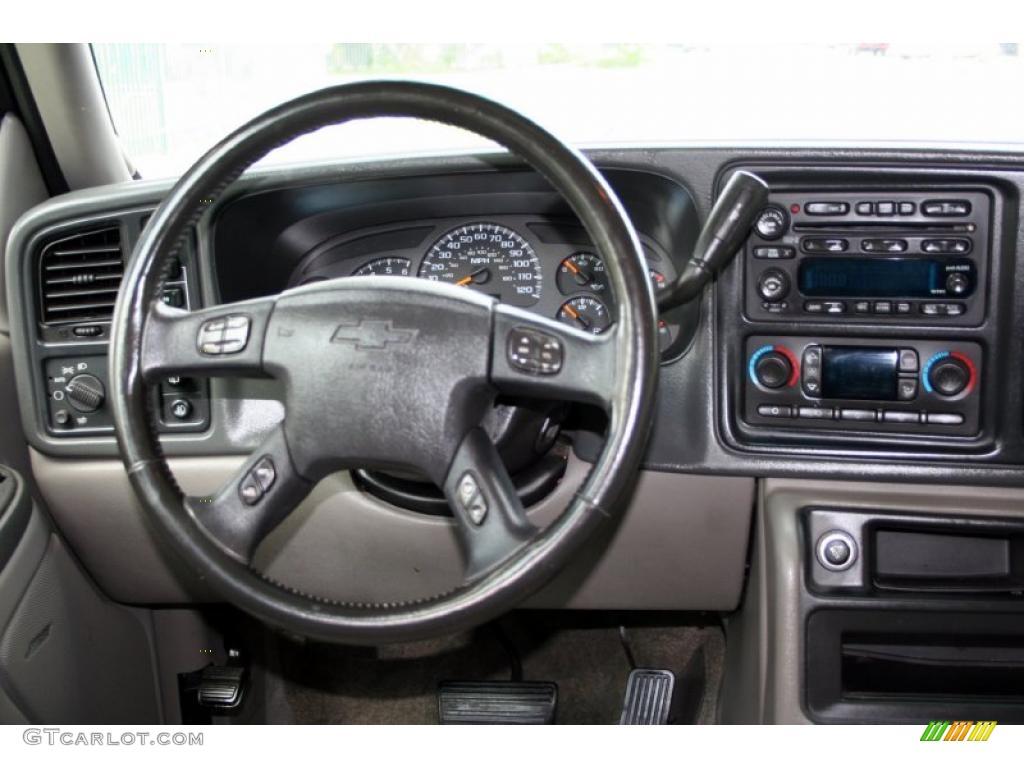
point(648, 697)
point(496, 703)
point(221, 687)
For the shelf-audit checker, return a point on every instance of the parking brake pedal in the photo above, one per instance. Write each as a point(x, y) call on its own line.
point(221, 687)
point(648, 697)
point(497, 703)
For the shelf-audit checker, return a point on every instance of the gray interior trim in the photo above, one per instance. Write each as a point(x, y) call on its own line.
point(681, 545)
point(21, 187)
point(67, 92)
point(765, 641)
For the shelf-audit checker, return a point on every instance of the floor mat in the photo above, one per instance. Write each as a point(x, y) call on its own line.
point(588, 659)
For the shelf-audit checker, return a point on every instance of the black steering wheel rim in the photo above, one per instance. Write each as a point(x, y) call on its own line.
point(631, 385)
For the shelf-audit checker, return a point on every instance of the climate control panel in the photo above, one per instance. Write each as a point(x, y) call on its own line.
point(902, 385)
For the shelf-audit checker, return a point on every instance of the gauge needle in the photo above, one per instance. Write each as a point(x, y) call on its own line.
point(577, 317)
point(581, 277)
point(480, 276)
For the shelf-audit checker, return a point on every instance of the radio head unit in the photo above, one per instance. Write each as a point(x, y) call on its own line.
point(901, 257)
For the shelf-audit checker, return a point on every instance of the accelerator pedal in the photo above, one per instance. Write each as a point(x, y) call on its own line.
point(648, 697)
point(496, 703)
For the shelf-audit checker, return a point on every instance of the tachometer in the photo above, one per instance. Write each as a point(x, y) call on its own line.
point(389, 265)
point(488, 257)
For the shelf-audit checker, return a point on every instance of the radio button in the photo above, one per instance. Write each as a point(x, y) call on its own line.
point(883, 308)
point(858, 414)
point(906, 389)
point(885, 208)
point(901, 417)
point(907, 209)
point(775, 411)
point(903, 307)
point(831, 208)
point(774, 252)
point(946, 208)
point(835, 307)
point(825, 244)
point(908, 361)
point(815, 307)
point(945, 419)
point(814, 412)
point(865, 208)
point(883, 245)
point(771, 223)
point(956, 245)
point(773, 284)
point(957, 283)
point(862, 307)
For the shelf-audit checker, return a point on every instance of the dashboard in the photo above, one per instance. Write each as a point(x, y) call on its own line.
point(897, 271)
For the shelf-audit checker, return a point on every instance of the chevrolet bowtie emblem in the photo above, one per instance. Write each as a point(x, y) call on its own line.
point(372, 334)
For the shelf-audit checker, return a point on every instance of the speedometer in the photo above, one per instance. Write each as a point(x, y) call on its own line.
point(488, 257)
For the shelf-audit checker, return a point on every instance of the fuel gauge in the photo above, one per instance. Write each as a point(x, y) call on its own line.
point(586, 313)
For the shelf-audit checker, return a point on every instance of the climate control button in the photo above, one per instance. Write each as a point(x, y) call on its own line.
point(948, 374)
point(773, 367)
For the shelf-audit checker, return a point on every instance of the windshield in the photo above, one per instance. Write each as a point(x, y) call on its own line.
point(170, 103)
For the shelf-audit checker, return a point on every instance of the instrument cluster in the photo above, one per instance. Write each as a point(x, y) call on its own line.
point(546, 266)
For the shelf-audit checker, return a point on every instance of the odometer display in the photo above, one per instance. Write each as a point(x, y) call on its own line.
point(489, 258)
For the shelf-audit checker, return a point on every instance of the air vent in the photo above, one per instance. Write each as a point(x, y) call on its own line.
point(80, 275)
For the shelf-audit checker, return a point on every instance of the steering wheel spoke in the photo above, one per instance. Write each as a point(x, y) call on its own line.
point(491, 520)
point(224, 340)
point(264, 491)
point(537, 357)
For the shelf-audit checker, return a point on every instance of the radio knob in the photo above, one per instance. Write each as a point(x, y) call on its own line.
point(85, 393)
point(773, 370)
point(957, 284)
point(773, 285)
point(771, 223)
point(949, 376)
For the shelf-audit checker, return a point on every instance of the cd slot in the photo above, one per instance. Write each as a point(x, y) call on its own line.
point(872, 226)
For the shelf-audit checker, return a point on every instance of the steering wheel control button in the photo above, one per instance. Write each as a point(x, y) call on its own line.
point(836, 551)
point(249, 490)
point(265, 473)
point(471, 499)
point(85, 393)
point(224, 335)
point(534, 352)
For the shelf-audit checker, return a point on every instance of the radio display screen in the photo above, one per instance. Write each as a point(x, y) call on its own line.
point(871, 278)
point(859, 373)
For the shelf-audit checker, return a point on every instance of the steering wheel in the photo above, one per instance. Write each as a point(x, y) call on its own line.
point(433, 357)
